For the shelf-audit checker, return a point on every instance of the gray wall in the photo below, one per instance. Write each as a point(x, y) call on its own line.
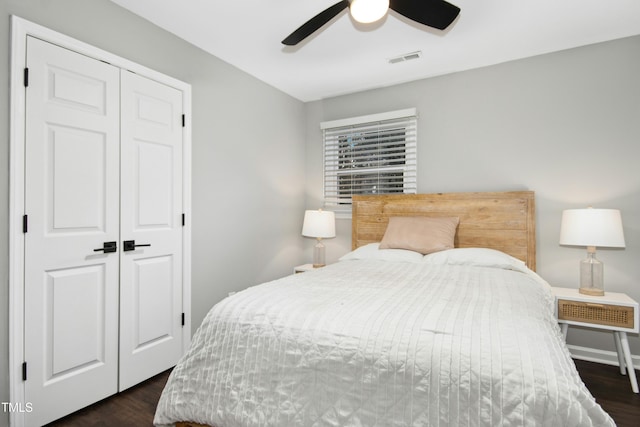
point(566, 125)
point(248, 154)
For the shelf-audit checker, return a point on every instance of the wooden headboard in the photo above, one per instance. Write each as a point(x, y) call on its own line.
point(496, 220)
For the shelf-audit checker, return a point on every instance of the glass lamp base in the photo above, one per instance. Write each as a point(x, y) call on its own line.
point(591, 291)
point(318, 255)
point(591, 275)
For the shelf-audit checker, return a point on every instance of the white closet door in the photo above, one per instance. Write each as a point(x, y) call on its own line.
point(72, 198)
point(151, 330)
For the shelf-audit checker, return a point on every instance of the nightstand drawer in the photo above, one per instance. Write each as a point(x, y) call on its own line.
point(594, 313)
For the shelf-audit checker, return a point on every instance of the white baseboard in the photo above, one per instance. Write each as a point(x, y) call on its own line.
point(599, 356)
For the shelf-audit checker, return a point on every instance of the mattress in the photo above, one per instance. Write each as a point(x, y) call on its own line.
point(370, 342)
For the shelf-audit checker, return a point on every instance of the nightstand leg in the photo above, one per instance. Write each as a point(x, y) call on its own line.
point(629, 362)
point(619, 351)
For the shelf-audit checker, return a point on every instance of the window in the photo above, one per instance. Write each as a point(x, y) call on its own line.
point(369, 155)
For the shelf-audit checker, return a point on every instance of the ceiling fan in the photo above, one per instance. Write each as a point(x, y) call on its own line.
point(433, 13)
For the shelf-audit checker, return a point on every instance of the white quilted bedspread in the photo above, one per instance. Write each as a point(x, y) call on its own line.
point(371, 343)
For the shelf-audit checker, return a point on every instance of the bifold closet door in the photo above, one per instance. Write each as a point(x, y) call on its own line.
point(72, 196)
point(103, 238)
point(151, 332)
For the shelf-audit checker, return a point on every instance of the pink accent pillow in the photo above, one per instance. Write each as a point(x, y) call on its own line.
point(420, 234)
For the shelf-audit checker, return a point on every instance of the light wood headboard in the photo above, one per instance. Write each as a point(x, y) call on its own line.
point(496, 220)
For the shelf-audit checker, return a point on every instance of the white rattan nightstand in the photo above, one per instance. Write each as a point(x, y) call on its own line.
point(614, 312)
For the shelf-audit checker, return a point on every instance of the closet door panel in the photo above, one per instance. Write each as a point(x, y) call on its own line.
point(151, 331)
point(152, 290)
point(71, 201)
point(154, 186)
point(76, 330)
point(78, 204)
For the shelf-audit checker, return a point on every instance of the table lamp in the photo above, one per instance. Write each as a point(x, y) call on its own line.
point(321, 225)
point(592, 227)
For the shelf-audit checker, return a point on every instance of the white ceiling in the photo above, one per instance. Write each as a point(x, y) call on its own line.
point(345, 57)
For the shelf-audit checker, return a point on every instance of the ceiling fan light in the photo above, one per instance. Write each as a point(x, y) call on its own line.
point(366, 11)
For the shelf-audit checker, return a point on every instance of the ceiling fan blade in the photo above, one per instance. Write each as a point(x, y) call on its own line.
point(315, 23)
point(433, 13)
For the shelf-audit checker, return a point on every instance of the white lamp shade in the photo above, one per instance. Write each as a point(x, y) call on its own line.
point(592, 227)
point(319, 223)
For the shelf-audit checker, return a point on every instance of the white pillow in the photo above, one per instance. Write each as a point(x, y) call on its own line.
point(479, 257)
point(372, 251)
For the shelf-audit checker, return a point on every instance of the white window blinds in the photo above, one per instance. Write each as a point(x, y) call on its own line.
point(370, 155)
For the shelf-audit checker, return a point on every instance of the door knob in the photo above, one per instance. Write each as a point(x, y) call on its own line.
point(107, 247)
point(130, 245)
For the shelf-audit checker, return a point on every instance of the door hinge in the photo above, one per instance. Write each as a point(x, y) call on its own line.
point(183, 120)
point(25, 223)
point(24, 371)
point(26, 77)
point(183, 220)
point(182, 319)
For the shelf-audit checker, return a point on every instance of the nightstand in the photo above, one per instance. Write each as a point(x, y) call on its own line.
point(302, 268)
point(614, 312)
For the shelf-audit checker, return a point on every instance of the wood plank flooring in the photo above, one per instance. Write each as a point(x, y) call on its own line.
point(135, 407)
point(612, 391)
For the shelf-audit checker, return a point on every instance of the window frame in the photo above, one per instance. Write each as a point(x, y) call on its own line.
point(406, 118)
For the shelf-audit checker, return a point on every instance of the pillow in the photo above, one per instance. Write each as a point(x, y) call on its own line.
point(372, 251)
point(420, 234)
point(480, 257)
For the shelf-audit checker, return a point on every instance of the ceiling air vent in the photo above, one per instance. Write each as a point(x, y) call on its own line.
point(405, 57)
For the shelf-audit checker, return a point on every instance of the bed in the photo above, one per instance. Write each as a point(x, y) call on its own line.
point(389, 336)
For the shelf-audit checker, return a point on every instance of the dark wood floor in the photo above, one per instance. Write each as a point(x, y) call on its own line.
point(135, 407)
point(612, 391)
